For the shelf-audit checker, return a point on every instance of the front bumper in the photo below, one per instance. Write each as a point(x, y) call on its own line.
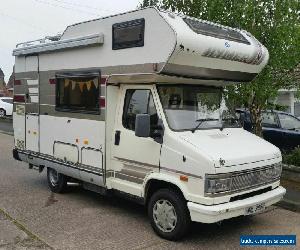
point(215, 213)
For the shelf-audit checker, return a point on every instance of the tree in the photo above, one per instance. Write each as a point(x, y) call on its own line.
point(275, 23)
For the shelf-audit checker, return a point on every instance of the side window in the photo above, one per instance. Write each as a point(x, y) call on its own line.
point(288, 122)
point(8, 100)
point(138, 101)
point(78, 93)
point(269, 120)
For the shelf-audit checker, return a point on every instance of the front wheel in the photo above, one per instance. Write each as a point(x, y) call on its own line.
point(2, 113)
point(168, 214)
point(57, 182)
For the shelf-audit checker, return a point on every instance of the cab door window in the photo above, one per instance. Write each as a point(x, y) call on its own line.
point(269, 120)
point(138, 101)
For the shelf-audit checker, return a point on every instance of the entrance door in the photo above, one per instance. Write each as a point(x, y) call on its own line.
point(135, 156)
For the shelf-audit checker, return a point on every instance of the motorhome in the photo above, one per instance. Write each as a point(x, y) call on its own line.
point(132, 105)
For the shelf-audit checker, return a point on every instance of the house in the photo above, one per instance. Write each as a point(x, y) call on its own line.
point(289, 97)
point(2, 84)
point(6, 89)
point(10, 85)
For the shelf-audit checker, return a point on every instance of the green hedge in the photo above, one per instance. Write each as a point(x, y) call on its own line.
point(292, 158)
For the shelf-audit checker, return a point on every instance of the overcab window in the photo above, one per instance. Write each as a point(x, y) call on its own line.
point(78, 92)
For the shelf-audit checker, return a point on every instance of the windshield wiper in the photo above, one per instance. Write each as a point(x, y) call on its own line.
point(201, 121)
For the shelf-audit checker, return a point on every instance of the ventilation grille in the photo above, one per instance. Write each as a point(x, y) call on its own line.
point(20, 110)
point(20, 144)
point(254, 178)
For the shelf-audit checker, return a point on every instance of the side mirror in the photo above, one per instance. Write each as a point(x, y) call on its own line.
point(142, 125)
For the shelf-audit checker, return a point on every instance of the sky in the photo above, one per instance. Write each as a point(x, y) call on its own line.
point(25, 20)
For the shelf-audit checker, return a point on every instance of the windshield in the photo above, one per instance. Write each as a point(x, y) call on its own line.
point(191, 107)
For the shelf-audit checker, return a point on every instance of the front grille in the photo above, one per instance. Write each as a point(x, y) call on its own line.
point(235, 182)
point(252, 179)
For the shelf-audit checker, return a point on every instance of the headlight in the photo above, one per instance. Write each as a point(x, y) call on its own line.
point(274, 172)
point(218, 185)
point(277, 169)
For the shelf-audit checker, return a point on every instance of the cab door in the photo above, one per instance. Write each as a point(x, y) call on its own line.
point(134, 157)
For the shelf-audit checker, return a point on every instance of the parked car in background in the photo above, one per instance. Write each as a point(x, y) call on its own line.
point(6, 106)
point(279, 128)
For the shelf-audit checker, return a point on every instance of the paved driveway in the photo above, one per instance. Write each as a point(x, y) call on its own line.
point(84, 220)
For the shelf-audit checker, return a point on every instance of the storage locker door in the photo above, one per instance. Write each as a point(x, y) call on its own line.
point(32, 133)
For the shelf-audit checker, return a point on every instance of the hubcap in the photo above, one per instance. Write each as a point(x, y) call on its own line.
point(53, 176)
point(164, 215)
point(2, 113)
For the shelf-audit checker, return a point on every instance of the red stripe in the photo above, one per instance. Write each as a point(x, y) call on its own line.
point(19, 98)
point(103, 80)
point(17, 82)
point(52, 81)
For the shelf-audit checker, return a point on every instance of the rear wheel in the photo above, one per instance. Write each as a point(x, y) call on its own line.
point(168, 214)
point(2, 113)
point(57, 182)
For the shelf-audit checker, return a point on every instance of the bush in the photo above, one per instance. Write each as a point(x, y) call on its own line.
point(292, 158)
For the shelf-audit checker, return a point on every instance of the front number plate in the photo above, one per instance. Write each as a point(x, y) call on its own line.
point(258, 208)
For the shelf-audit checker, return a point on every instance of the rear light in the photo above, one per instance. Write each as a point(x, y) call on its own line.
point(102, 102)
point(17, 82)
point(19, 98)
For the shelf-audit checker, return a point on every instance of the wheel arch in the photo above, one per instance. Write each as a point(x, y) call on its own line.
point(155, 183)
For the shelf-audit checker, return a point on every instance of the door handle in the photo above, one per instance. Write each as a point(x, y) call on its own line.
point(117, 137)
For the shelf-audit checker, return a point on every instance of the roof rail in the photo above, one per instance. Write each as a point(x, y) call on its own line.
point(39, 41)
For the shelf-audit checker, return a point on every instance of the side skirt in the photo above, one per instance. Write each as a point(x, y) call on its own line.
point(67, 168)
point(72, 170)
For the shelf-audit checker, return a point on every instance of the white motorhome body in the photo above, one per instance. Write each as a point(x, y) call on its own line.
point(128, 104)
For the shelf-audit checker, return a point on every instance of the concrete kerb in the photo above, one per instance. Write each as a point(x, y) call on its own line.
point(24, 229)
point(290, 172)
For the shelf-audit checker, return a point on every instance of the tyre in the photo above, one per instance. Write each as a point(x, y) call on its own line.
point(57, 182)
point(169, 215)
point(2, 113)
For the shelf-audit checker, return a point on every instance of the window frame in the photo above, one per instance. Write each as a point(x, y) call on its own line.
point(278, 125)
point(192, 22)
point(5, 100)
point(77, 74)
point(182, 84)
point(128, 24)
point(124, 104)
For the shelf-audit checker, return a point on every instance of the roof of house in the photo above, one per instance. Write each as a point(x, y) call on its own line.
point(10, 83)
point(1, 73)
